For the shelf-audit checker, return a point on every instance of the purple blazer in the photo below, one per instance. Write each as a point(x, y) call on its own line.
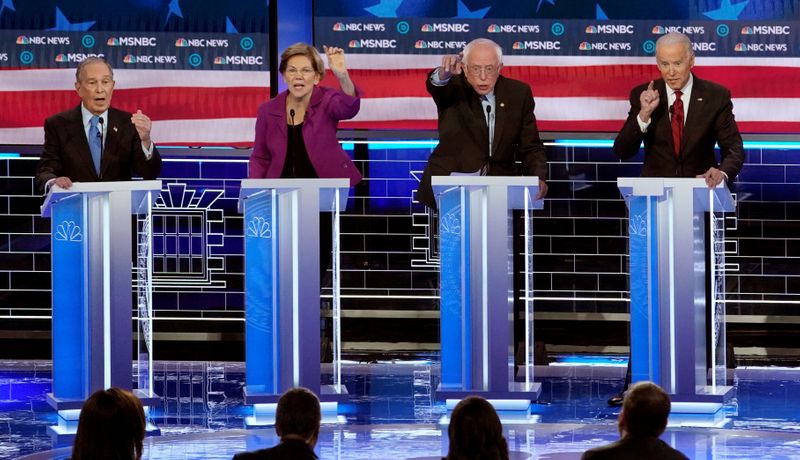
point(326, 108)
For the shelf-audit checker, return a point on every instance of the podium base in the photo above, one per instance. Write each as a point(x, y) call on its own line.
point(264, 405)
point(705, 394)
point(516, 395)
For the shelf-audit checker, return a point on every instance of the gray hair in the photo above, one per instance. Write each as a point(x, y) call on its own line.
point(92, 60)
point(675, 38)
point(483, 41)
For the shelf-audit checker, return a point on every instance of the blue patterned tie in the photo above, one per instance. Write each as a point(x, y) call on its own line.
point(95, 142)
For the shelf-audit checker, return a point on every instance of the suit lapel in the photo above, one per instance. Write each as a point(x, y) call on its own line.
point(78, 142)
point(696, 107)
point(111, 141)
point(499, 111)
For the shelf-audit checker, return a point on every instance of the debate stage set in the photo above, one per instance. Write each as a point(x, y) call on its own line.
point(205, 292)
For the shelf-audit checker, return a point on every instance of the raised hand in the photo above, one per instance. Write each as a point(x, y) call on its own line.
point(648, 101)
point(335, 59)
point(451, 65)
point(142, 124)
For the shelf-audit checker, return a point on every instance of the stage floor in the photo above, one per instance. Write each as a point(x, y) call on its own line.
point(393, 415)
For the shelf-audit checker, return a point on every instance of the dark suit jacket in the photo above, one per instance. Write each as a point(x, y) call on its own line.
point(634, 449)
point(66, 150)
point(464, 136)
point(709, 120)
point(289, 449)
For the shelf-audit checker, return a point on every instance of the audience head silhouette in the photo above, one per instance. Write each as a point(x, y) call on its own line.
point(475, 432)
point(298, 416)
point(111, 426)
point(645, 411)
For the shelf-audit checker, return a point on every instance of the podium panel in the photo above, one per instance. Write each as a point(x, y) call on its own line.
point(282, 285)
point(668, 271)
point(92, 311)
point(476, 285)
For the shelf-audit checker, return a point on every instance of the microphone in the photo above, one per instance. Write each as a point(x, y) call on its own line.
point(489, 126)
point(291, 143)
point(100, 135)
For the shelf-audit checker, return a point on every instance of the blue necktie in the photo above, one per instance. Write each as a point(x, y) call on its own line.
point(95, 142)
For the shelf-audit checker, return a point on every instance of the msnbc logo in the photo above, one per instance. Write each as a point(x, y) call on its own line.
point(590, 30)
point(585, 46)
point(113, 41)
point(62, 58)
point(659, 30)
point(23, 40)
point(338, 27)
point(181, 43)
point(354, 44)
point(129, 59)
point(493, 29)
point(420, 44)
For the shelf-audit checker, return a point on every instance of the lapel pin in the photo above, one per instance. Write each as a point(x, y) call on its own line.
point(700, 99)
point(502, 104)
point(115, 129)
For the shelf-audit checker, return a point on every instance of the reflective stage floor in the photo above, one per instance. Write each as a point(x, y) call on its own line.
point(392, 414)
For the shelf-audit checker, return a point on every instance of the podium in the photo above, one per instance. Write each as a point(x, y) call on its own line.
point(92, 277)
point(476, 287)
point(668, 260)
point(282, 286)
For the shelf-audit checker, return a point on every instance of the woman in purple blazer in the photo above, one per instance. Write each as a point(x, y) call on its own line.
point(296, 131)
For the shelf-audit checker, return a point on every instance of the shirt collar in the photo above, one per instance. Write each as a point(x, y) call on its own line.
point(87, 116)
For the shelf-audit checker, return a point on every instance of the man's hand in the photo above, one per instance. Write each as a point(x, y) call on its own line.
point(142, 124)
point(542, 190)
point(335, 59)
point(451, 65)
point(713, 177)
point(648, 101)
point(63, 182)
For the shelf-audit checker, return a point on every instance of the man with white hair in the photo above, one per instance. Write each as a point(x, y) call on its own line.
point(679, 118)
point(486, 120)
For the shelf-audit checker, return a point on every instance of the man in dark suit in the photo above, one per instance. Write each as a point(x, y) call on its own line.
point(94, 142)
point(679, 118)
point(642, 420)
point(297, 420)
point(477, 105)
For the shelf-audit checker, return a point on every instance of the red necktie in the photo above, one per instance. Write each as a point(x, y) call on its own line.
point(677, 122)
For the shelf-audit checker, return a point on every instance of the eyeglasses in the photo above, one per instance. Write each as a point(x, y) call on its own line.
point(305, 72)
point(94, 84)
point(488, 70)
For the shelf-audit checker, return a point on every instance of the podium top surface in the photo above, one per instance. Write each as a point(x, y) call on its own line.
point(485, 181)
point(657, 187)
point(56, 193)
point(290, 184)
point(326, 189)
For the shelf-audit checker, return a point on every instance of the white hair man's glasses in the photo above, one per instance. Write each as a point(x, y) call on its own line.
point(488, 71)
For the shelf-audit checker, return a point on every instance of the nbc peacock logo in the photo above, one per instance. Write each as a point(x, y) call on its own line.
point(420, 44)
point(62, 58)
point(427, 28)
point(747, 30)
point(518, 46)
point(493, 29)
point(181, 43)
point(218, 60)
point(129, 59)
point(23, 40)
point(113, 41)
point(585, 46)
point(659, 30)
point(354, 44)
point(338, 27)
point(591, 29)
point(740, 47)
